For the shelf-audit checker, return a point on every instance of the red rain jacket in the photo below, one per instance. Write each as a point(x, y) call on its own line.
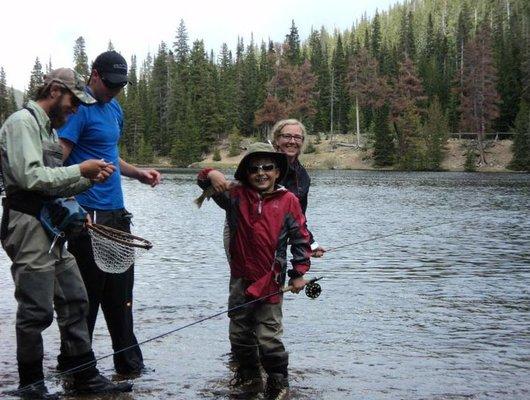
point(260, 229)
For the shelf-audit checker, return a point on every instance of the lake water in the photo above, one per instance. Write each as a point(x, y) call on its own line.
point(434, 313)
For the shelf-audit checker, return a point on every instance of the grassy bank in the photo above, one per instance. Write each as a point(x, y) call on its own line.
point(341, 153)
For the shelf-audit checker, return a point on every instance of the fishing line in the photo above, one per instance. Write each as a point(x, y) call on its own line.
point(312, 290)
point(418, 228)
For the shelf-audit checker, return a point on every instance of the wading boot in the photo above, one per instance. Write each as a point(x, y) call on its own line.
point(277, 387)
point(246, 383)
point(98, 384)
point(32, 384)
point(37, 391)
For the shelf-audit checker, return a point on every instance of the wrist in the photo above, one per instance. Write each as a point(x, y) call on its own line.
point(294, 274)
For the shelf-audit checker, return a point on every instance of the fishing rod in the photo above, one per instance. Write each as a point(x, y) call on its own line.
point(312, 290)
point(418, 228)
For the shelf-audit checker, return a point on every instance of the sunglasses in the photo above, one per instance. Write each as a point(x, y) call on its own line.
point(253, 169)
point(112, 85)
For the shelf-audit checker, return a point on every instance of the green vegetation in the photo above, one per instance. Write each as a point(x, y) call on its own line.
point(407, 76)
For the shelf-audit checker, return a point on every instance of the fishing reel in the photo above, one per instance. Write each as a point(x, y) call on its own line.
point(313, 289)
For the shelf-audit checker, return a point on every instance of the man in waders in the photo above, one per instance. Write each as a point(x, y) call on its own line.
point(45, 275)
point(95, 132)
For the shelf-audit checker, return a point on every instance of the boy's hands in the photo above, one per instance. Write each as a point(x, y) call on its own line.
point(218, 181)
point(297, 284)
point(318, 252)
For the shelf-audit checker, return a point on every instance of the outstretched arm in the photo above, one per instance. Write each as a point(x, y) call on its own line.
point(148, 176)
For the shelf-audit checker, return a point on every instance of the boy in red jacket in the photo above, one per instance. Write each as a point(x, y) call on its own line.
point(263, 218)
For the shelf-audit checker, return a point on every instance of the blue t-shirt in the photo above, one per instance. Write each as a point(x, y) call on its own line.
point(95, 132)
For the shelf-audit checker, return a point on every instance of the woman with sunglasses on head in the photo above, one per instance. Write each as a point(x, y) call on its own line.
point(94, 132)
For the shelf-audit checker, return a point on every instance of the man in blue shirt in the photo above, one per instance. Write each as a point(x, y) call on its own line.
point(94, 132)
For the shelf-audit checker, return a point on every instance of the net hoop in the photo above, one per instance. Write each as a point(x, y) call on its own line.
point(115, 251)
point(124, 238)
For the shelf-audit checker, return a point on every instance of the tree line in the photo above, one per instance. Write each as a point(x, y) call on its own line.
point(403, 78)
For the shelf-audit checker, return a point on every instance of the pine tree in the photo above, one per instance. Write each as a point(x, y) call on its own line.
point(435, 132)
point(271, 112)
point(340, 71)
point(462, 37)
point(159, 87)
point(301, 102)
point(234, 148)
point(203, 96)
point(479, 99)
point(180, 45)
point(320, 68)
point(248, 91)
point(186, 149)
point(292, 41)
point(506, 50)
point(521, 141)
point(410, 150)
point(407, 45)
point(408, 93)
point(133, 130)
point(35, 81)
point(227, 89)
point(4, 97)
point(407, 107)
point(367, 89)
point(384, 151)
point(81, 58)
point(376, 39)
point(49, 66)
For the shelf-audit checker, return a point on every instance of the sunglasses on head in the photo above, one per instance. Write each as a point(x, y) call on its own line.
point(112, 85)
point(264, 167)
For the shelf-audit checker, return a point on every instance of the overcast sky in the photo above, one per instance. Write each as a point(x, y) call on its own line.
point(48, 29)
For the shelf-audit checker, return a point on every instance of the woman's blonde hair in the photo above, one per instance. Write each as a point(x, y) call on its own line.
point(277, 130)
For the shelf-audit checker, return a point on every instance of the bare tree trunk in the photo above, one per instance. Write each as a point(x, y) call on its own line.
point(357, 122)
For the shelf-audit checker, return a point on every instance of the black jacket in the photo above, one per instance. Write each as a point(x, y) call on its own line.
point(297, 181)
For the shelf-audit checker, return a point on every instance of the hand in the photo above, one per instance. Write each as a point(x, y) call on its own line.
point(297, 284)
point(218, 181)
point(88, 220)
point(104, 174)
point(318, 252)
point(96, 169)
point(149, 177)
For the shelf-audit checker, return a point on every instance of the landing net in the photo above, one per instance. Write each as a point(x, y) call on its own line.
point(115, 251)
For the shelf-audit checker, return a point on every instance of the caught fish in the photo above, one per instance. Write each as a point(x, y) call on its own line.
point(206, 195)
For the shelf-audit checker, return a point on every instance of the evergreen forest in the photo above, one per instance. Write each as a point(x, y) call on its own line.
point(401, 81)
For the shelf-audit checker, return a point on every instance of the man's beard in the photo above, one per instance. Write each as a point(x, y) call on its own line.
point(57, 115)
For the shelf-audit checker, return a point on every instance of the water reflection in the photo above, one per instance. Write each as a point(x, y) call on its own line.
point(437, 313)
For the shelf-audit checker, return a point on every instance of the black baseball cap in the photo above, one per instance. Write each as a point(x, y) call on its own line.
point(112, 67)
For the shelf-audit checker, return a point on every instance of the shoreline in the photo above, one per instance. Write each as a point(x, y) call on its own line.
point(345, 156)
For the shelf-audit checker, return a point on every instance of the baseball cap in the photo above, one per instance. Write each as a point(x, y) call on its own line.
point(111, 66)
point(72, 81)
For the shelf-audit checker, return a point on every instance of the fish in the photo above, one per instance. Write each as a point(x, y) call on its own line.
point(206, 195)
point(209, 192)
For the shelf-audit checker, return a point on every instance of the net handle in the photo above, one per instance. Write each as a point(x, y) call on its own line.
point(106, 231)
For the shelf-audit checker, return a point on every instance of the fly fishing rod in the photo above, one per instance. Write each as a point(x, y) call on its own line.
point(418, 228)
point(312, 290)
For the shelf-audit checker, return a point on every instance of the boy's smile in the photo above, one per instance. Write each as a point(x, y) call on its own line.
point(262, 174)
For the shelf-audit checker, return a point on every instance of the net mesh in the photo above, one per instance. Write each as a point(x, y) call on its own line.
point(115, 251)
